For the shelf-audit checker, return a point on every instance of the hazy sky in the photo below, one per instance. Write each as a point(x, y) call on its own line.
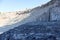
point(12, 5)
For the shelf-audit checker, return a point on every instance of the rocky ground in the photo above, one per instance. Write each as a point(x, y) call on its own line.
point(42, 24)
point(39, 31)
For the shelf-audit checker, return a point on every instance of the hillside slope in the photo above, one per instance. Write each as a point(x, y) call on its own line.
point(46, 13)
point(38, 31)
point(43, 23)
